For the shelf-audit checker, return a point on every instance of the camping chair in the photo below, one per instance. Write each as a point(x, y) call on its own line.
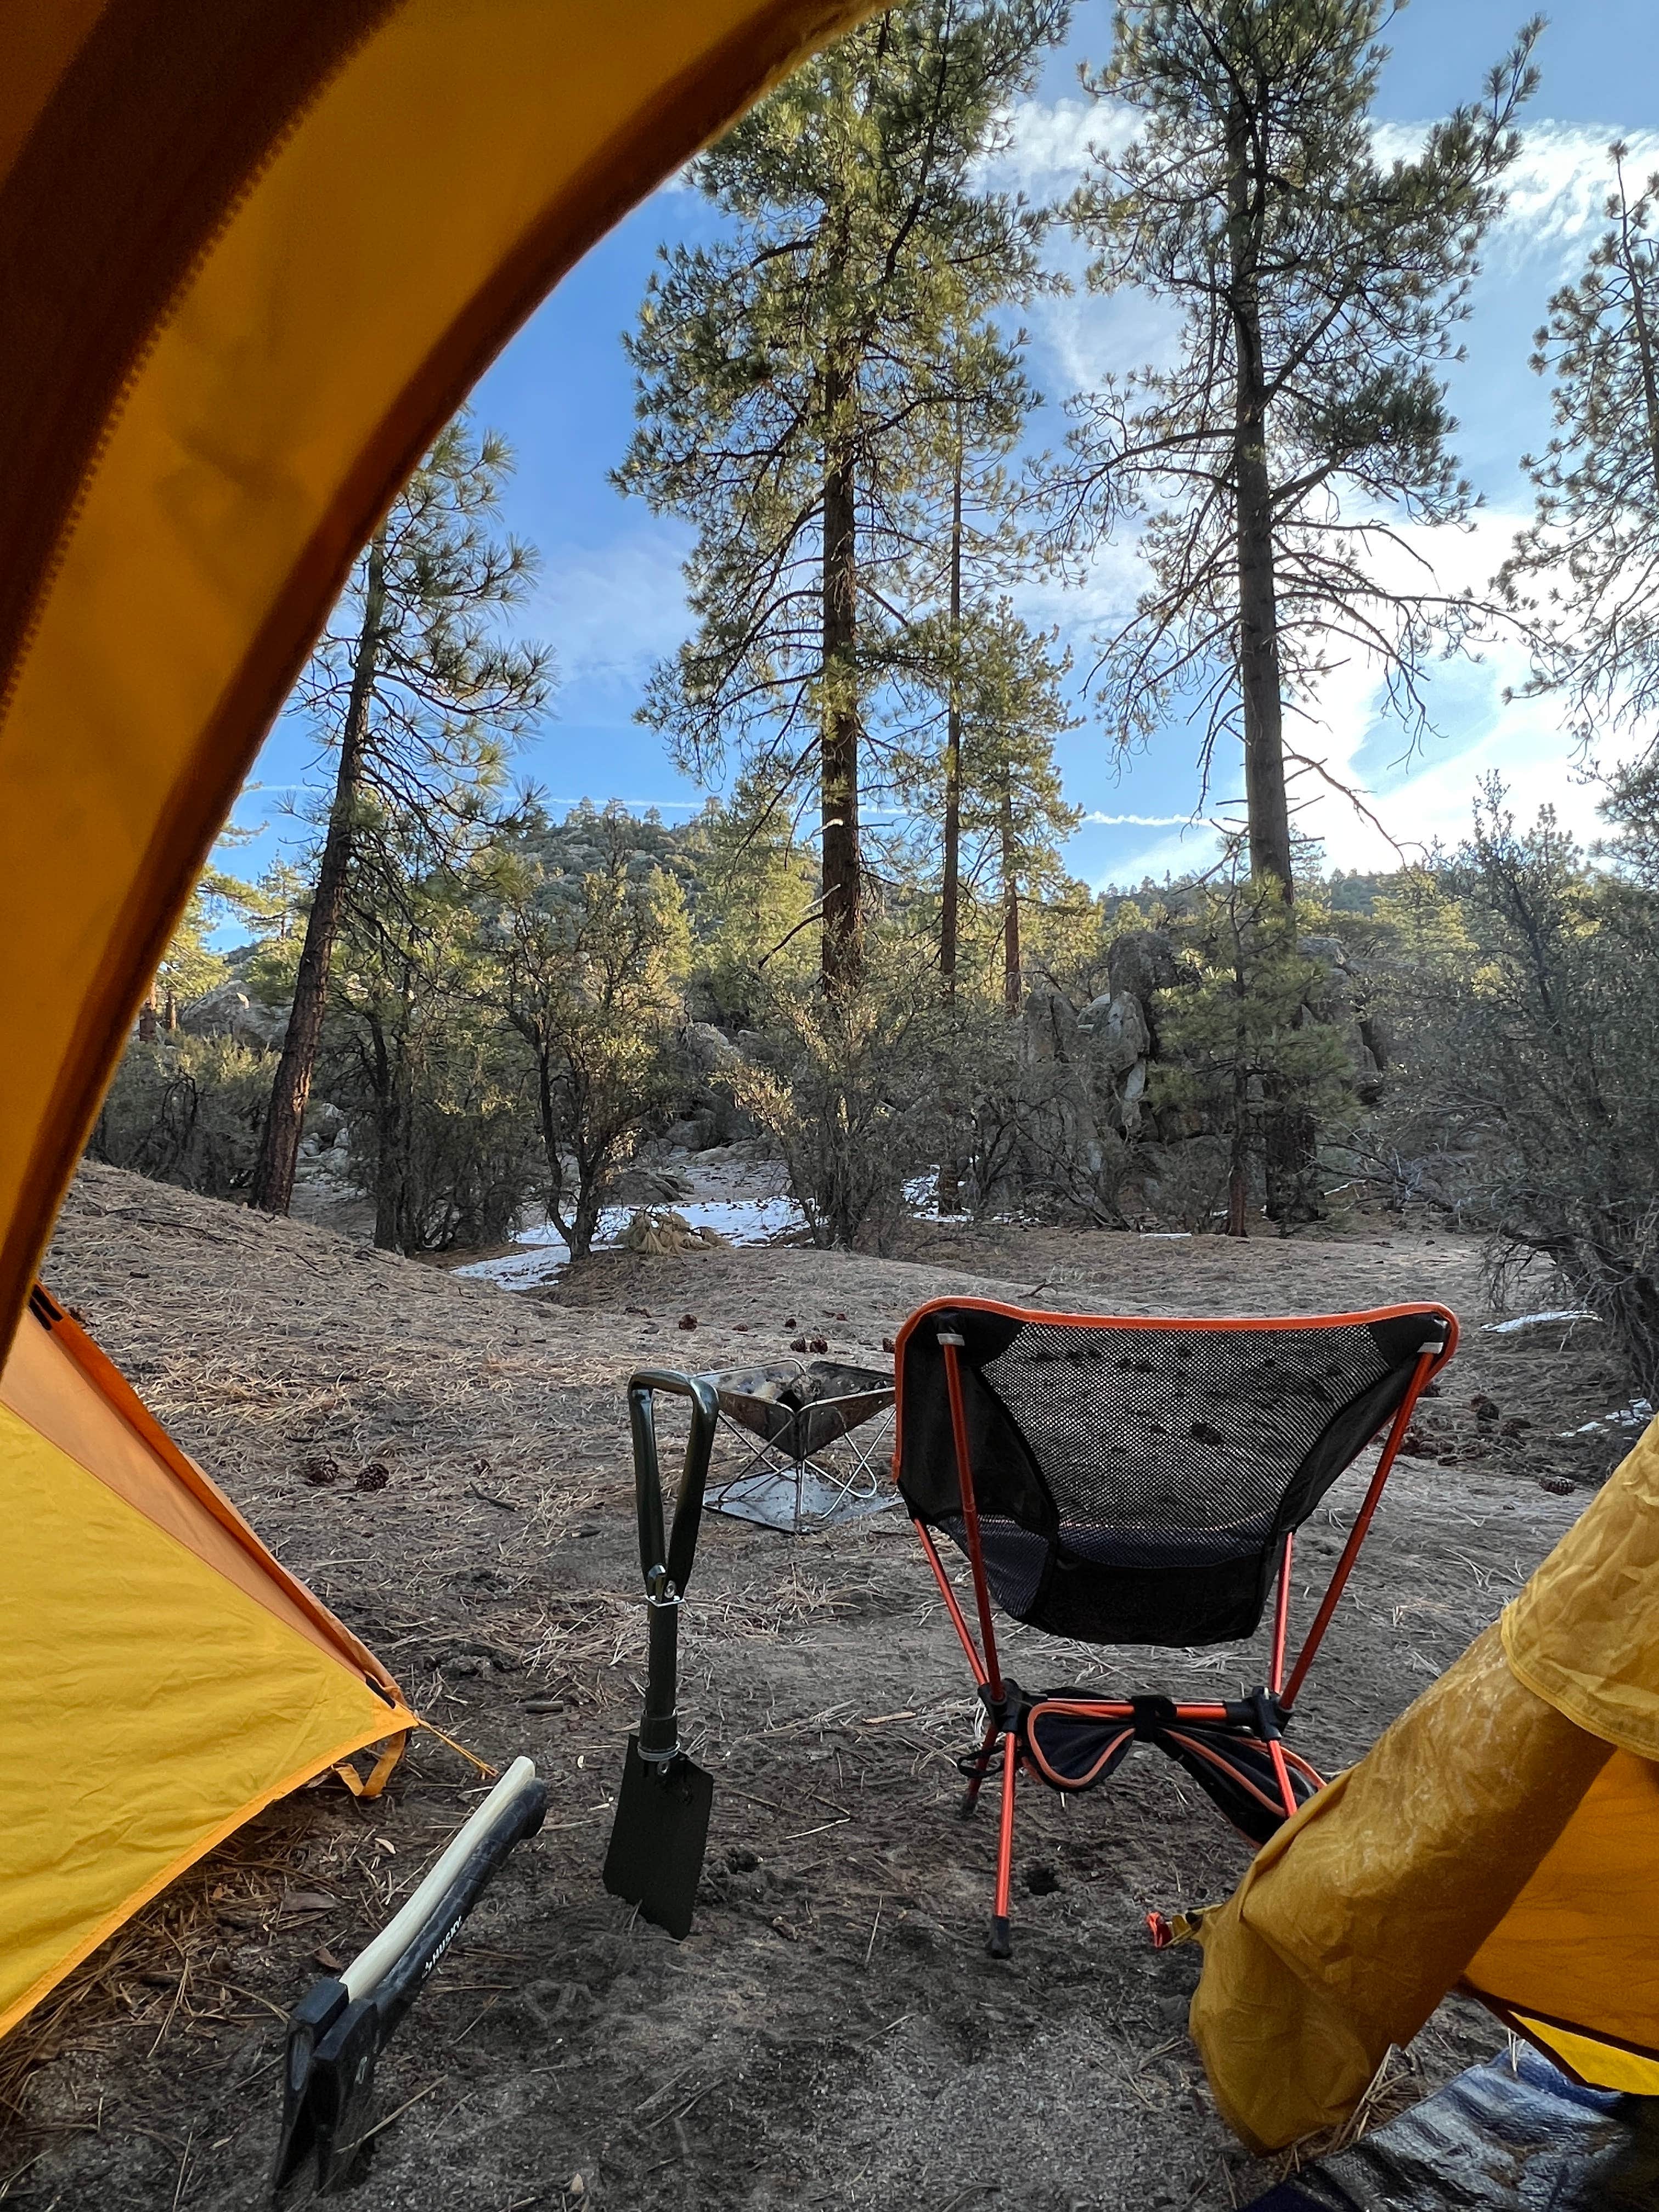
point(1130, 1481)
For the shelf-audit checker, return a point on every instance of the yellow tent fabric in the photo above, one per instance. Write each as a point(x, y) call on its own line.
point(1502, 1836)
point(167, 1677)
point(253, 254)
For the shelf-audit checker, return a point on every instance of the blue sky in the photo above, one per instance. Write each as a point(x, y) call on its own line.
point(610, 599)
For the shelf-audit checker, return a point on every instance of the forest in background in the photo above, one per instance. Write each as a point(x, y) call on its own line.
point(867, 957)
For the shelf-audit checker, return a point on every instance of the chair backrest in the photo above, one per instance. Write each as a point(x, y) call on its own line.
point(1133, 1477)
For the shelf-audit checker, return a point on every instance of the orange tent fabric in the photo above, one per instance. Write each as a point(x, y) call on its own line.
point(253, 253)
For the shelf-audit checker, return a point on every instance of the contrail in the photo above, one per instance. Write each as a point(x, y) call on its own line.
point(1144, 821)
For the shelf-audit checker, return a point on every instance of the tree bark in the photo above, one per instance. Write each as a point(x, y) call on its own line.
point(1259, 675)
point(147, 1021)
point(1013, 992)
point(389, 1140)
point(949, 1180)
point(839, 738)
point(1291, 1144)
point(1238, 1161)
point(279, 1141)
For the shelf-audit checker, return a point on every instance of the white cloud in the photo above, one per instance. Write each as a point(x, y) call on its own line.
point(1193, 849)
point(1345, 726)
point(1050, 144)
point(612, 610)
point(1431, 796)
point(1555, 193)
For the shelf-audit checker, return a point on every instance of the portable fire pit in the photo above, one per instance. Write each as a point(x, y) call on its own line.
point(788, 1418)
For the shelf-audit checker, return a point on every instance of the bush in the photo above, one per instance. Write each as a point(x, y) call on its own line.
point(1528, 1108)
point(848, 1093)
point(189, 1111)
point(460, 1169)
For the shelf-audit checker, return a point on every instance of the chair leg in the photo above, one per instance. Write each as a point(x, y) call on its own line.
point(1000, 1947)
point(1282, 1773)
point(976, 1774)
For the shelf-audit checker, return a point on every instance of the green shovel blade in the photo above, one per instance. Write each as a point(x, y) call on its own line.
point(658, 1838)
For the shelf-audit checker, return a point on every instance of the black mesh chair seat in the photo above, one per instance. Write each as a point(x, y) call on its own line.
point(1136, 1482)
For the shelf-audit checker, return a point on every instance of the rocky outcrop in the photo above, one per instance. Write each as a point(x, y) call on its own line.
point(1119, 1038)
point(1141, 961)
point(226, 1010)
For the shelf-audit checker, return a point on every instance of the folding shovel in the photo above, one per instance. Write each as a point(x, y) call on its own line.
point(340, 2027)
point(661, 1828)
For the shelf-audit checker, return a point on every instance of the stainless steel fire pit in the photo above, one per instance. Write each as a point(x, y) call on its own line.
point(794, 1415)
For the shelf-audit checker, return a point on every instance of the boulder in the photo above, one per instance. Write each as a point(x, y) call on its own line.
point(326, 1124)
point(1328, 951)
point(226, 1010)
point(693, 1133)
point(1116, 1025)
point(1141, 962)
point(639, 1185)
point(1048, 1027)
point(710, 1050)
point(1055, 1053)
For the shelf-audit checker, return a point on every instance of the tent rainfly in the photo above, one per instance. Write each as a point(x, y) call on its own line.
point(168, 1678)
point(1501, 1838)
point(253, 254)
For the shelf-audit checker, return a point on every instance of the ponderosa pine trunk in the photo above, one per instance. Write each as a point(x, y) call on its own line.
point(839, 737)
point(279, 1141)
point(391, 1138)
point(1012, 993)
point(1259, 674)
point(1291, 1140)
point(949, 1180)
point(1240, 1145)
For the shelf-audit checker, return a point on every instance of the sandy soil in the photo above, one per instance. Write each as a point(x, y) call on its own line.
point(833, 2033)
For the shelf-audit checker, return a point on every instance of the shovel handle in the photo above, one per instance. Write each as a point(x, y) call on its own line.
point(671, 1557)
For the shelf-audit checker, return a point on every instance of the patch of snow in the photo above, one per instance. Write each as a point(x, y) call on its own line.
point(1537, 1320)
point(740, 1221)
point(1635, 1415)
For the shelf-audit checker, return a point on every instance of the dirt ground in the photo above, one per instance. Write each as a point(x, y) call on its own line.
point(833, 2033)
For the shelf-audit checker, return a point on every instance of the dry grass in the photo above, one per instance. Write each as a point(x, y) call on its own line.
point(832, 2032)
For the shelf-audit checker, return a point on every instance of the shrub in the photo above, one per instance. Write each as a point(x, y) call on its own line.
point(848, 1093)
point(187, 1110)
point(1529, 1106)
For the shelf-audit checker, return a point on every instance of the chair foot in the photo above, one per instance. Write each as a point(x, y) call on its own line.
point(968, 1804)
point(1000, 1946)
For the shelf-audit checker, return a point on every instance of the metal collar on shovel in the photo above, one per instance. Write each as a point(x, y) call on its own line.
point(338, 2028)
point(661, 1828)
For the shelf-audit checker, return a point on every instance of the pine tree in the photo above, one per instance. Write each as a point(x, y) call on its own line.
point(793, 381)
point(1304, 415)
point(422, 699)
point(586, 962)
point(434, 1092)
point(993, 785)
point(1595, 541)
point(1235, 1042)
